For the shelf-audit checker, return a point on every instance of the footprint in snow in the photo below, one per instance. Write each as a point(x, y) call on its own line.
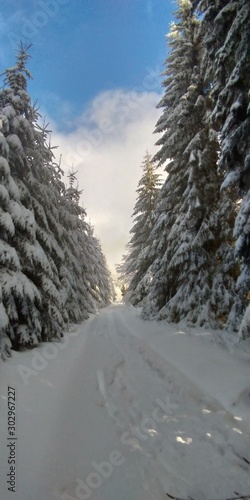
point(111, 408)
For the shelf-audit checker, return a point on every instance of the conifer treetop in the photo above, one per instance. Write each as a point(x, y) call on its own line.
point(17, 76)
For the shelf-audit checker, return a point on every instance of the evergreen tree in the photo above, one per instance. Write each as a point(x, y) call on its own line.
point(226, 34)
point(99, 278)
point(20, 299)
point(20, 296)
point(88, 280)
point(136, 263)
point(30, 165)
point(43, 235)
point(189, 235)
point(73, 215)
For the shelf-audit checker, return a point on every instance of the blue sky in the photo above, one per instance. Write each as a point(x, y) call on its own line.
point(95, 62)
point(81, 47)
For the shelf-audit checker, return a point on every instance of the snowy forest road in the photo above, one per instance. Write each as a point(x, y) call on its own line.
point(108, 417)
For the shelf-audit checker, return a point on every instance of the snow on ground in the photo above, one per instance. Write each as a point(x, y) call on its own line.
point(127, 410)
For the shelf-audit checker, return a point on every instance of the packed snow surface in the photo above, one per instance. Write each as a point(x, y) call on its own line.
point(127, 410)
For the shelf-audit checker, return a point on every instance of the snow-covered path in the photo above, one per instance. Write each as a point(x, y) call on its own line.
point(127, 410)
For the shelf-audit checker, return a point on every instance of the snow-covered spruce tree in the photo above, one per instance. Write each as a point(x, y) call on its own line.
point(77, 253)
point(190, 279)
point(98, 275)
point(45, 194)
point(20, 300)
point(20, 297)
point(226, 34)
point(136, 263)
point(84, 272)
point(43, 235)
point(72, 217)
point(34, 213)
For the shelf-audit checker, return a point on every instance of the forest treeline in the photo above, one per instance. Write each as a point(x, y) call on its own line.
point(52, 268)
point(189, 254)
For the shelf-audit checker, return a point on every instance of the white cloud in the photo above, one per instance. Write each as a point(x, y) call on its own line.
point(107, 148)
